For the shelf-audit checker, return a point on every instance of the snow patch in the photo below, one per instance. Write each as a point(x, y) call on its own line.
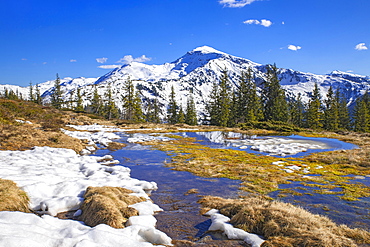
point(220, 223)
point(56, 179)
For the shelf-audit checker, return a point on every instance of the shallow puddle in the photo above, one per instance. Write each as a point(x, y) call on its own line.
point(352, 213)
point(180, 219)
point(292, 146)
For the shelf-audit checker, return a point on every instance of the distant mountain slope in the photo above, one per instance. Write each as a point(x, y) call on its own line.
point(196, 71)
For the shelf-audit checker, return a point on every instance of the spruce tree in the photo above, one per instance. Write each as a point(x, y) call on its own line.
point(219, 104)
point(254, 105)
point(233, 115)
point(38, 99)
point(361, 115)
point(110, 109)
point(275, 105)
point(343, 113)
point(331, 116)
point(79, 101)
point(249, 106)
point(6, 93)
point(314, 110)
point(9, 94)
point(181, 116)
point(71, 101)
point(191, 114)
point(138, 115)
point(96, 105)
point(212, 106)
point(154, 111)
point(242, 98)
point(172, 115)
point(128, 99)
point(57, 96)
point(32, 97)
point(297, 111)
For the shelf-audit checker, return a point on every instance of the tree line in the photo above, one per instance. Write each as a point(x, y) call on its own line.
point(246, 105)
point(132, 109)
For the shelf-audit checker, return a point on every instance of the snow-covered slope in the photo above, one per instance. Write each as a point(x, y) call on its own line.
point(194, 74)
point(196, 71)
point(46, 88)
point(68, 85)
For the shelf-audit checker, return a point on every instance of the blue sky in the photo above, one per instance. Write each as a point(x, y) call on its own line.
point(78, 38)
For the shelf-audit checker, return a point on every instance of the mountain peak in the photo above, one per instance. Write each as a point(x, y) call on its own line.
point(206, 49)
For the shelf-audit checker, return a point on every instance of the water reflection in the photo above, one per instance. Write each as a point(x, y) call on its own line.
point(280, 146)
point(181, 218)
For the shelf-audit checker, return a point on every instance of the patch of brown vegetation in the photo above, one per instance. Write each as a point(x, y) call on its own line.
point(358, 157)
point(113, 146)
point(12, 198)
point(209, 242)
point(45, 128)
point(108, 205)
point(191, 191)
point(283, 224)
point(24, 137)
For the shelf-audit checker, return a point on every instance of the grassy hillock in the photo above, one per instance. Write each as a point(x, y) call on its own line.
point(24, 125)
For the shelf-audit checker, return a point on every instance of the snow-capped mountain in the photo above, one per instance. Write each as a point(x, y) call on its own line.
point(194, 74)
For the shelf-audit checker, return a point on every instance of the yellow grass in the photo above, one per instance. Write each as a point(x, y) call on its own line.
point(12, 198)
point(108, 205)
point(113, 146)
point(283, 224)
point(257, 173)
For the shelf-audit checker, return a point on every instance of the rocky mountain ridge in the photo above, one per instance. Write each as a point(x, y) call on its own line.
point(194, 74)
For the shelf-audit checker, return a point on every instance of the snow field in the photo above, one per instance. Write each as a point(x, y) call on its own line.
point(55, 179)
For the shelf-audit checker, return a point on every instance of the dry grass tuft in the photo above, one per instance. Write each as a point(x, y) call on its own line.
point(108, 205)
point(113, 146)
point(25, 137)
point(283, 224)
point(12, 198)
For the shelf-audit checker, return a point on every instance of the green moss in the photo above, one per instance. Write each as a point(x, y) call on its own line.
point(256, 172)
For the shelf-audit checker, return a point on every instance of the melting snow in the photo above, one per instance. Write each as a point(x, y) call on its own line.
point(55, 180)
point(23, 122)
point(272, 145)
point(220, 223)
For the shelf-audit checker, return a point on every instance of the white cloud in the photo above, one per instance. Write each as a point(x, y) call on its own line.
point(44, 63)
point(294, 47)
point(24, 59)
point(73, 60)
point(263, 22)
point(266, 23)
point(257, 22)
point(125, 60)
point(109, 66)
point(236, 3)
point(128, 59)
point(101, 60)
point(361, 47)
